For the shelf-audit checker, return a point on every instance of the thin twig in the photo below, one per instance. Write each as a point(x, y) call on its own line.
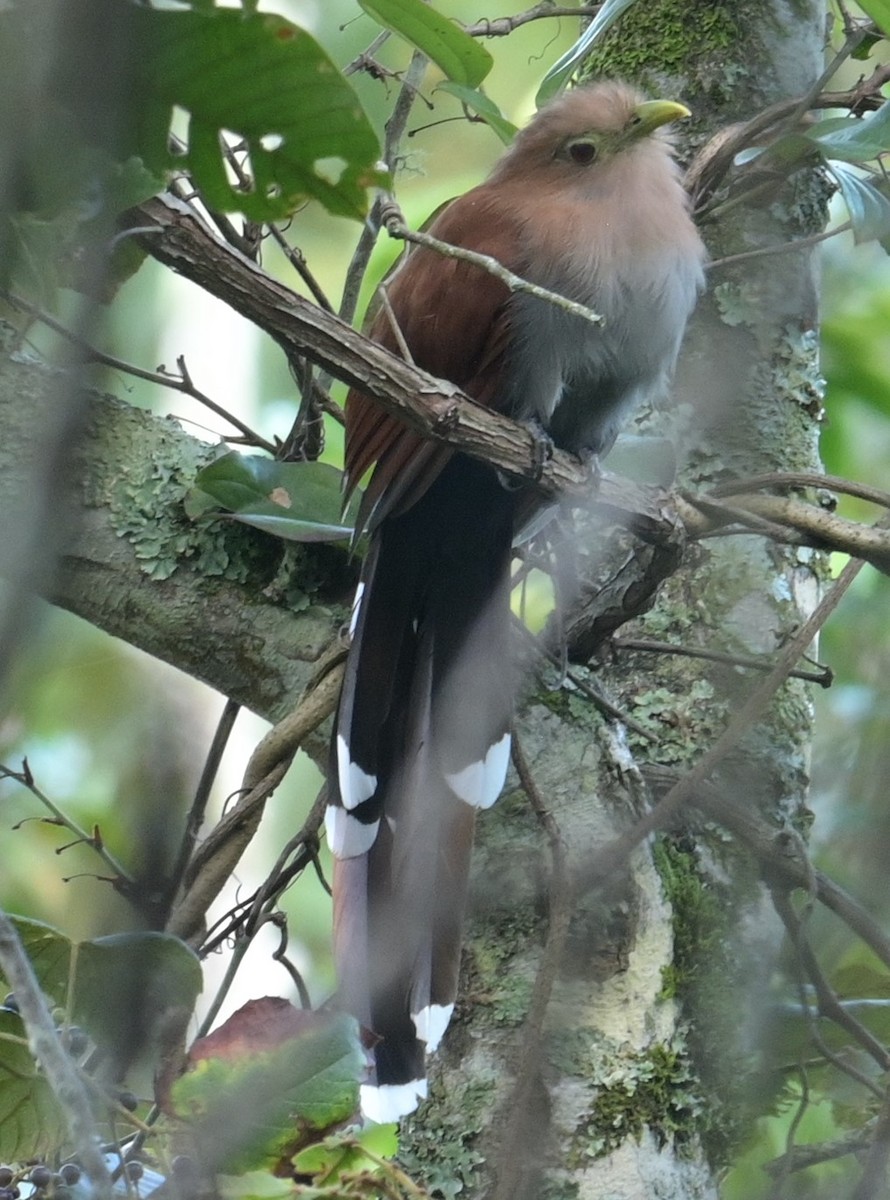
point(280, 956)
point(804, 243)
point(297, 260)
point(811, 1154)
point(827, 1001)
point(603, 865)
point(824, 677)
point(358, 63)
point(502, 26)
point(218, 854)
point(395, 326)
point(392, 139)
point(396, 227)
point(198, 809)
point(783, 1164)
point(182, 384)
point(803, 479)
point(26, 779)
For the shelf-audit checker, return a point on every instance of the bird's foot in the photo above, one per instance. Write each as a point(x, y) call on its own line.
point(590, 460)
point(542, 446)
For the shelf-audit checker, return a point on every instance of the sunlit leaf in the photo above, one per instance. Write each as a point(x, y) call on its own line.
point(459, 56)
point(879, 11)
point(560, 72)
point(484, 107)
point(338, 1153)
point(300, 502)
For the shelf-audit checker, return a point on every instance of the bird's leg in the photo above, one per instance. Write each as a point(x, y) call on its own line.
point(590, 459)
point(542, 446)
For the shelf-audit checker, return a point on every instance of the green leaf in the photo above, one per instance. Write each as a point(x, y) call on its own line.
point(121, 70)
point(123, 984)
point(484, 107)
point(269, 82)
point(459, 56)
point(559, 73)
point(879, 11)
point(852, 139)
point(300, 502)
point(869, 209)
point(31, 1123)
point(861, 979)
point(340, 1153)
point(246, 1113)
point(49, 953)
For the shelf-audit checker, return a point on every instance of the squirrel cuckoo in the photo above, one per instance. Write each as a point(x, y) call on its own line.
point(588, 203)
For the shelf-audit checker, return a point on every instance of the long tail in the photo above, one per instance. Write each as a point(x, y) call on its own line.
point(421, 742)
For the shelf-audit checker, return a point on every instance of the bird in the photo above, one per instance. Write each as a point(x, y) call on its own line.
point(587, 202)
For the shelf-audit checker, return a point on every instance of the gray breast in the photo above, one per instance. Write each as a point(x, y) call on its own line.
point(580, 381)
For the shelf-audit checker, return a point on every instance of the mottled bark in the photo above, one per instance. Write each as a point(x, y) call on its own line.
point(219, 602)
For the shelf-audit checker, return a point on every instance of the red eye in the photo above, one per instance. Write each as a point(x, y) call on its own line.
point(582, 153)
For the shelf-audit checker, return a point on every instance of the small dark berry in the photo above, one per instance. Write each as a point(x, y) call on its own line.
point(128, 1101)
point(70, 1173)
point(41, 1176)
point(7, 1194)
point(6, 1174)
point(135, 1170)
point(75, 1040)
point(10, 1002)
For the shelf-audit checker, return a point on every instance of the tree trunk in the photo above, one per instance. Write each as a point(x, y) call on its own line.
point(605, 1042)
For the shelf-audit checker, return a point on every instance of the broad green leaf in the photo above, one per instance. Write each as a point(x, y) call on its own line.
point(31, 1123)
point(879, 11)
point(559, 74)
point(852, 139)
point(120, 72)
point(246, 1113)
point(484, 107)
point(123, 984)
point(869, 208)
point(269, 82)
point(300, 502)
point(459, 56)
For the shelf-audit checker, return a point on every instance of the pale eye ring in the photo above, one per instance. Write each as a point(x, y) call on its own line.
point(582, 152)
